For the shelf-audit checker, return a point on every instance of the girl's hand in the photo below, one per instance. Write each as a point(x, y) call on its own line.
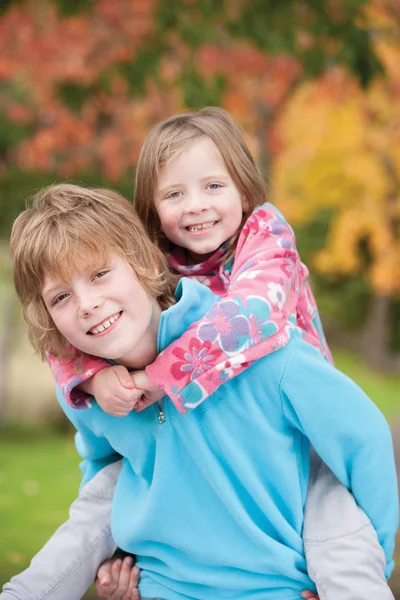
point(118, 580)
point(309, 595)
point(151, 392)
point(115, 391)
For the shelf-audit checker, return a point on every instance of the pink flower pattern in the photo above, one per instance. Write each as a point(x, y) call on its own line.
point(195, 362)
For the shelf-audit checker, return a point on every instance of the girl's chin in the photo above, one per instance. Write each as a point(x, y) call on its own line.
point(194, 259)
point(202, 251)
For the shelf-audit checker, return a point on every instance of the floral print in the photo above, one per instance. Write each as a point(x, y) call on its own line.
point(235, 326)
point(276, 294)
point(195, 362)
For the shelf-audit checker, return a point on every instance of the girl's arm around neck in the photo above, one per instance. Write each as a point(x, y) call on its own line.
point(73, 376)
point(256, 316)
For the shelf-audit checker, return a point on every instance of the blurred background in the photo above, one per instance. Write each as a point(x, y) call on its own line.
point(316, 86)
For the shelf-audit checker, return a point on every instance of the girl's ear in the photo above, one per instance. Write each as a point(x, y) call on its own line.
point(245, 204)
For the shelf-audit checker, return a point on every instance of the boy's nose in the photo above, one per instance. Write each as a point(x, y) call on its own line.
point(87, 304)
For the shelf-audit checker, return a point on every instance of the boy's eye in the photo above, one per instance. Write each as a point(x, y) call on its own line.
point(59, 298)
point(100, 274)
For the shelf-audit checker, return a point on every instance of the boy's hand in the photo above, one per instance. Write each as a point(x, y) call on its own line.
point(118, 580)
point(309, 595)
point(115, 391)
point(150, 392)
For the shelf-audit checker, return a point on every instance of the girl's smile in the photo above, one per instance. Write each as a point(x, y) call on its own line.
point(201, 227)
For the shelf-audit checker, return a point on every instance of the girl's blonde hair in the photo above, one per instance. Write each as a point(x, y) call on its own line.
point(62, 224)
point(167, 139)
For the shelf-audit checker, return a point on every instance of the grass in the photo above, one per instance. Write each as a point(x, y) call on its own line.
point(39, 477)
point(382, 389)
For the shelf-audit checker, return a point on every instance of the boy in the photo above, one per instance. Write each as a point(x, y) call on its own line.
point(213, 504)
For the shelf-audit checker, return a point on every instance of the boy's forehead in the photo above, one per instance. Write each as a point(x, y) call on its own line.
point(65, 269)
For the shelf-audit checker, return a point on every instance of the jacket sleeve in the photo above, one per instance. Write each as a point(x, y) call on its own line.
point(255, 317)
point(349, 433)
point(69, 373)
point(91, 443)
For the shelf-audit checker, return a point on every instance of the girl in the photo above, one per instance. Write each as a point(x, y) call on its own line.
point(197, 189)
point(211, 504)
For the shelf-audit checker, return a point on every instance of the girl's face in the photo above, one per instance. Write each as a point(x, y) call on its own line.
point(105, 311)
point(197, 202)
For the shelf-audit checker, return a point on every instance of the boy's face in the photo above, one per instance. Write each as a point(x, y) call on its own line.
point(197, 202)
point(105, 311)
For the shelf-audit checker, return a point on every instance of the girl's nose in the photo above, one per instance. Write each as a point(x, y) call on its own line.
point(196, 202)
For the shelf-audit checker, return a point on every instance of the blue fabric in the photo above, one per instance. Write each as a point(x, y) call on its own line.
point(212, 502)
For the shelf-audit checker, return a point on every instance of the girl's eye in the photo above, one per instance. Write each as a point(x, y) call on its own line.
point(214, 186)
point(174, 194)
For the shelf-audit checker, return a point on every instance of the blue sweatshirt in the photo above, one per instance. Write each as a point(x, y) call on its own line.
point(212, 502)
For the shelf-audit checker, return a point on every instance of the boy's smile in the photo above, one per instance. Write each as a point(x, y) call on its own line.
point(106, 312)
point(197, 202)
point(105, 325)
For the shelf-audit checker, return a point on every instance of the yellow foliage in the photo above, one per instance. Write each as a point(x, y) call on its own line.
point(342, 152)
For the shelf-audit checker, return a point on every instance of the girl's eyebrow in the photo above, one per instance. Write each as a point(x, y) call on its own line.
point(206, 178)
point(215, 176)
point(168, 187)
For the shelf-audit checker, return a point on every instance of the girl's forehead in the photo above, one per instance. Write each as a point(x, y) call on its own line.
point(198, 157)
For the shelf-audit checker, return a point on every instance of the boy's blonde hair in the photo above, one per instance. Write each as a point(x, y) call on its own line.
point(63, 223)
point(167, 139)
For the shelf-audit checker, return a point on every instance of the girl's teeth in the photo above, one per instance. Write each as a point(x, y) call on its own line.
point(202, 226)
point(105, 325)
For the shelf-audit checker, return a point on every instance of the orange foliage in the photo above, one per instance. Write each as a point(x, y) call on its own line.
point(254, 79)
point(39, 49)
point(333, 144)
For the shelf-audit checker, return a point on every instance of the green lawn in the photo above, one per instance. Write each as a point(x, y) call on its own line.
point(39, 478)
point(382, 389)
point(39, 474)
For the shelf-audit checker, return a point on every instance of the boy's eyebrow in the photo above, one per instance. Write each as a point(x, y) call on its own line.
point(47, 290)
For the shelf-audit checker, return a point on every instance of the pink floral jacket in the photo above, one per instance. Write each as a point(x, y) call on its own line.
point(265, 297)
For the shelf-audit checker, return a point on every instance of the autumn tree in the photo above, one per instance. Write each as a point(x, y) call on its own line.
point(83, 81)
point(342, 160)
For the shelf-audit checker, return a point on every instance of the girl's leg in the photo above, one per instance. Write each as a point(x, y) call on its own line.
point(344, 557)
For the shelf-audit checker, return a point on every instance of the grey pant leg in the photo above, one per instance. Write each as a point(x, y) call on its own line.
point(67, 565)
point(344, 557)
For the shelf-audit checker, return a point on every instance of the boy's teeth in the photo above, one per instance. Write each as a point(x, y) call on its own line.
point(105, 324)
point(201, 226)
